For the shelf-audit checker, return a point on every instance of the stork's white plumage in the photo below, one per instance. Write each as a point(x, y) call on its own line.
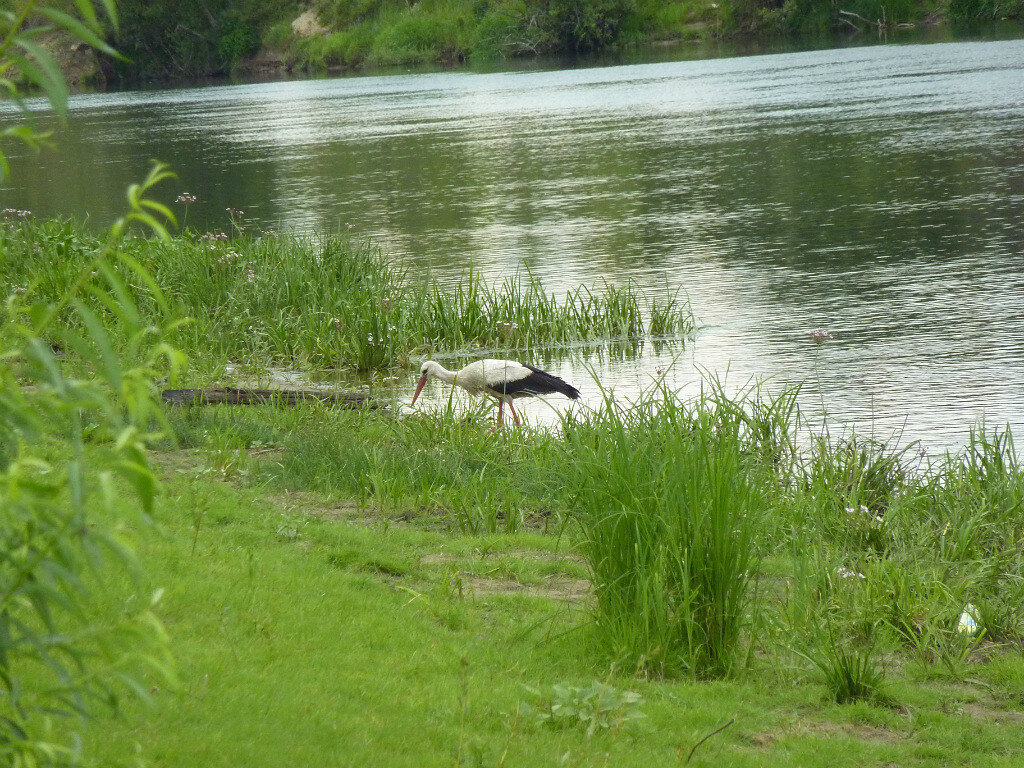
point(504, 380)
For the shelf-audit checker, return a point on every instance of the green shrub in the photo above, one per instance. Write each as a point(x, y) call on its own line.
point(279, 36)
point(192, 37)
point(580, 26)
point(237, 42)
point(507, 30)
point(419, 35)
point(73, 460)
point(668, 499)
point(346, 49)
point(514, 27)
point(985, 10)
point(852, 669)
point(340, 13)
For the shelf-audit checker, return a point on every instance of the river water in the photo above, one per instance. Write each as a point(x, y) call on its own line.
point(875, 192)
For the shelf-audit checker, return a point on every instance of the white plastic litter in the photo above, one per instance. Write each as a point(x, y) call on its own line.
point(968, 620)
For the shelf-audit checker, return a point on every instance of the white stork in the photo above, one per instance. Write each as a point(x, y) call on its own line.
point(504, 380)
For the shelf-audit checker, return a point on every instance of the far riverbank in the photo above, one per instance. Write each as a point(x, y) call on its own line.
point(255, 44)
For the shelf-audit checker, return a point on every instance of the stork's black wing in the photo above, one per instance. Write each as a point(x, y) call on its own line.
point(537, 383)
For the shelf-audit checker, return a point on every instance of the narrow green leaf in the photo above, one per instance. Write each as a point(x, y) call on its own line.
point(134, 191)
point(78, 29)
point(151, 223)
point(110, 365)
point(111, 10)
point(160, 208)
point(47, 75)
point(43, 355)
point(88, 13)
point(143, 274)
point(142, 480)
point(125, 308)
point(159, 172)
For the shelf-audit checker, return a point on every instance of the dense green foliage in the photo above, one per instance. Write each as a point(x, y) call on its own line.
point(671, 499)
point(64, 442)
point(67, 440)
point(197, 37)
point(327, 302)
point(985, 10)
point(188, 38)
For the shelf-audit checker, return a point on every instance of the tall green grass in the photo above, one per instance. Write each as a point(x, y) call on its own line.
point(331, 302)
point(715, 540)
point(669, 494)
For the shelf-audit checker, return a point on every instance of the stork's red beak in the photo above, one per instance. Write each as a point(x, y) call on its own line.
point(419, 388)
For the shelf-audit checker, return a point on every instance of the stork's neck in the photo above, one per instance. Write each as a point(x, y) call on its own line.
point(438, 371)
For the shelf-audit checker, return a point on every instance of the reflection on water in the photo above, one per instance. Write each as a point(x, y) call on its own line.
point(876, 192)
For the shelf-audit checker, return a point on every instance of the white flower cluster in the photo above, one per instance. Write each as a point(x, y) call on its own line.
point(229, 257)
point(867, 512)
point(846, 573)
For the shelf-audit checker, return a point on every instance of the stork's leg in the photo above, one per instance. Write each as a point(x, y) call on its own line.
point(501, 416)
point(514, 414)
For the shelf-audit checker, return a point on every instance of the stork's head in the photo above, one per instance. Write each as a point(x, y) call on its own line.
point(425, 370)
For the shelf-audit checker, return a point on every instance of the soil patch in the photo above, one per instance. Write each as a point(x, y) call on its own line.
point(313, 505)
point(857, 730)
point(827, 729)
point(443, 558)
point(188, 460)
point(982, 711)
point(556, 588)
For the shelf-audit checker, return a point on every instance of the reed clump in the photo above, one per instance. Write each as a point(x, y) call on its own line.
point(667, 499)
point(330, 302)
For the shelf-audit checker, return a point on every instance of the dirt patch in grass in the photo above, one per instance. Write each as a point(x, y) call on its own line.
point(827, 729)
point(366, 514)
point(170, 462)
point(988, 712)
point(764, 739)
point(556, 588)
point(860, 731)
point(314, 505)
point(443, 558)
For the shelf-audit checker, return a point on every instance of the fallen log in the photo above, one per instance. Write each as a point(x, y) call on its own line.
point(291, 397)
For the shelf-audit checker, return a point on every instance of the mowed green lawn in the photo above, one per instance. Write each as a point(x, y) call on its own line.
point(308, 631)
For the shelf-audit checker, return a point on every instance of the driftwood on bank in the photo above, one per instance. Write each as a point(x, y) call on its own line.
point(234, 396)
point(881, 24)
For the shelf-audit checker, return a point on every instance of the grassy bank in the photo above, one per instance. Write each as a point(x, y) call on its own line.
point(163, 40)
point(660, 583)
point(379, 588)
point(327, 302)
point(354, 588)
